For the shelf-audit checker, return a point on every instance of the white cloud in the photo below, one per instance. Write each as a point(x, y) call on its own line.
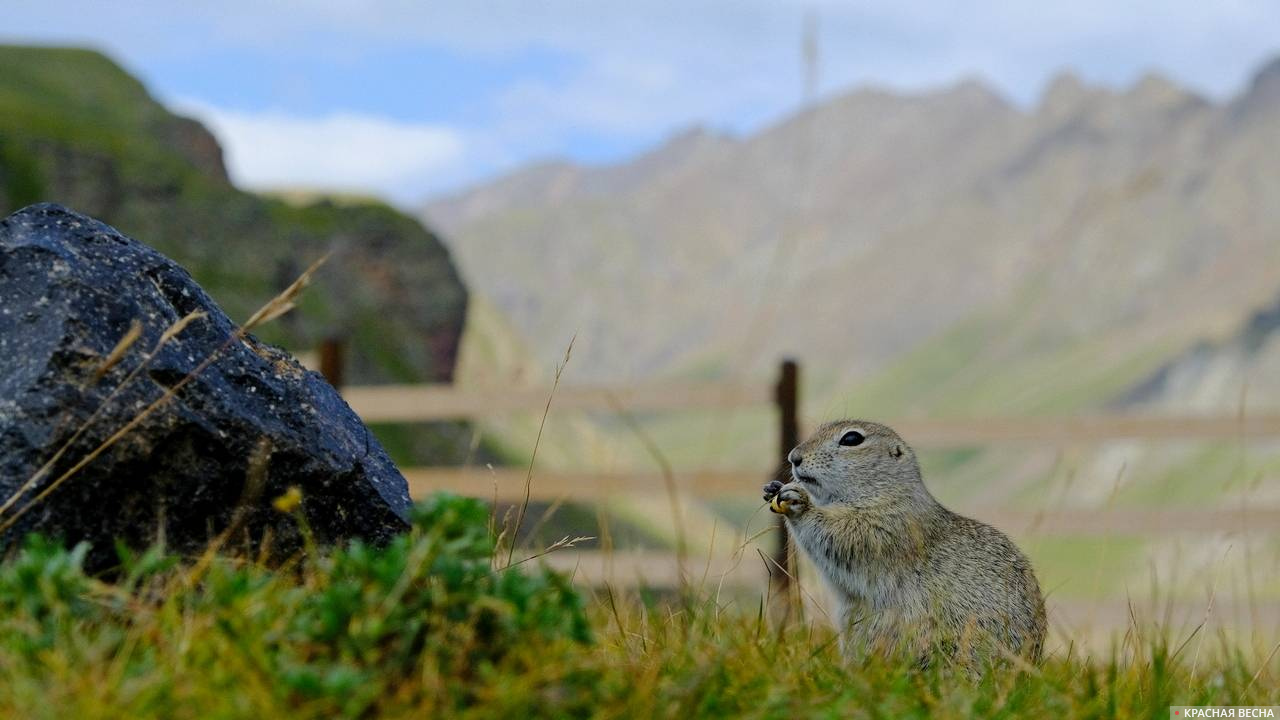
point(342, 152)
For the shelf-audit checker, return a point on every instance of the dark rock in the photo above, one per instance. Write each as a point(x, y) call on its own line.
point(70, 287)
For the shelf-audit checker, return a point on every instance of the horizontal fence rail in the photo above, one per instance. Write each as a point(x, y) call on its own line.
point(424, 403)
point(1084, 429)
point(427, 403)
point(418, 403)
point(508, 485)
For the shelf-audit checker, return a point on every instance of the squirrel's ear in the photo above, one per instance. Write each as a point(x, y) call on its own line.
point(897, 450)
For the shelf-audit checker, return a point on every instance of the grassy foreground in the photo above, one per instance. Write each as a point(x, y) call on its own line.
point(428, 628)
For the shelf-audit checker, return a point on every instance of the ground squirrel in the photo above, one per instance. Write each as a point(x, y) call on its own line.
point(907, 573)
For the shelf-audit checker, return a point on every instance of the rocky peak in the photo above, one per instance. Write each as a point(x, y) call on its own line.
point(682, 148)
point(695, 137)
point(1064, 93)
point(1264, 88)
point(973, 92)
point(1154, 90)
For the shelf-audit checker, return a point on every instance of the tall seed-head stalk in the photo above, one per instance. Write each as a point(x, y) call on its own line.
point(528, 478)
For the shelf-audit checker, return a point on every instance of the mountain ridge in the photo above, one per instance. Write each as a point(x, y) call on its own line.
point(856, 231)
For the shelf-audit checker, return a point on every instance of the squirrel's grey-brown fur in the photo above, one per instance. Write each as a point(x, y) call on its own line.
point(907, 573)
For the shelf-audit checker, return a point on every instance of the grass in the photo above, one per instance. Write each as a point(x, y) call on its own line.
point(429, 626)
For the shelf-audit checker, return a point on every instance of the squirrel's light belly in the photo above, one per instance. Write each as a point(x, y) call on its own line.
point(878, 588)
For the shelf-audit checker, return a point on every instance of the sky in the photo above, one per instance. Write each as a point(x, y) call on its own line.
point(406, 99)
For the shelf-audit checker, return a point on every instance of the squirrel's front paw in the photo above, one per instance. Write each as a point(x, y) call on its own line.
point(771, 489)
point(790, 501)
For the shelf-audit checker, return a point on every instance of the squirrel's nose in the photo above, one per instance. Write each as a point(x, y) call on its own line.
point(795, 457)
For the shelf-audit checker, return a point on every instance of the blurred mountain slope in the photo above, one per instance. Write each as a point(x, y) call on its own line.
point(941, 254)
point(940, 251)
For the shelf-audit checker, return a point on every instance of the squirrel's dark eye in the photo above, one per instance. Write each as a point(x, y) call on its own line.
point(851, 438)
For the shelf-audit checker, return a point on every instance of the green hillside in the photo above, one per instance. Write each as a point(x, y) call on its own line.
point(78, 130)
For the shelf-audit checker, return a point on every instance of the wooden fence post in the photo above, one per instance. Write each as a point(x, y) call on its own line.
point(787, 396)
point(331, 365)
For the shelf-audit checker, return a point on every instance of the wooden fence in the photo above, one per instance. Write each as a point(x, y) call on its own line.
point(422, 403)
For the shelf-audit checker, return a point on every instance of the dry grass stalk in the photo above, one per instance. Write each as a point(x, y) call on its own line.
point(113, 358)
point(528, 479)
point(284, 302)
point(564, 543)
